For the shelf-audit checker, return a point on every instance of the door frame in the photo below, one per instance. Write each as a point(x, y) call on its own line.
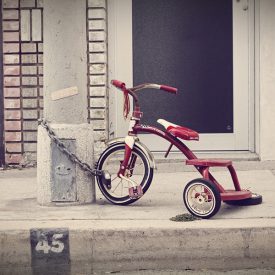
point(2, 148)
point(120, 12)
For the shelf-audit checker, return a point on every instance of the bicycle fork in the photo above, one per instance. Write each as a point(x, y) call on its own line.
point(127, 167)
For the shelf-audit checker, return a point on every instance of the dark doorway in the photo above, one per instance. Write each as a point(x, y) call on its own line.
point(187, 44)
point(2, 151)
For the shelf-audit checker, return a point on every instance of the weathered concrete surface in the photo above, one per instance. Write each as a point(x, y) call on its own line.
point(65, 60)
point(83, 136)
point(141, 236)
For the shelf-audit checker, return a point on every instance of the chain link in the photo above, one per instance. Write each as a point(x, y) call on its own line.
point(61, 146)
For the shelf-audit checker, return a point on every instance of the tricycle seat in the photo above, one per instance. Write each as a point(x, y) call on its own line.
point(179, 131)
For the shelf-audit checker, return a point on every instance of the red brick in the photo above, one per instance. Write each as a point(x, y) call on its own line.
point(13, 136)
point(10, 48)
point(10, 36)
point(12, 125)
point(11, 58)
point(11, 70)
point(11, 92)
point(13, 148)
point(13, 158)
point(10, 25)
point(12, 114)
point(11, 81)
point(11, 103)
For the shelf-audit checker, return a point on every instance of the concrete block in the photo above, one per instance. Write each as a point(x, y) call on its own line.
point(83, 135)
point(30, 136)
point(40, 47)
point(97, 47)
point(10, 3)
point(10, 48)
point(29, 70)
point(97, 24)
point(29, 92)
point(97, 58)
point(28, 47)
point(97, 3)
point(40, 58)
point(29, 81)
point(10, 36)
point(98, 91)
point(27, 3)
point(97, 35)
point(28, 58)
point(98, 113)
point(40, 3)
point(11, 26)
point(30, 147)
point(30, 114)
point(30, 125)
point(10, 14)
point(25, 25)
point(98, 69)
point(29, 103)
point(99, 124)
point(98, 102)
point(36, 25)
point(98, 79)
point(97, 14)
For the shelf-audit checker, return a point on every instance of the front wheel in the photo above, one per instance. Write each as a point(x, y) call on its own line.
point(202, 198)
point(138, 171)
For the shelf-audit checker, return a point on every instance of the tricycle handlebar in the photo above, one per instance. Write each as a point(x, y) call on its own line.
point(132, 91)
point(121, 85)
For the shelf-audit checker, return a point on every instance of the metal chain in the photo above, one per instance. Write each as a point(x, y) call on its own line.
point(61, 146)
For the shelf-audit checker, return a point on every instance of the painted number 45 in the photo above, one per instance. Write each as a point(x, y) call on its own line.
point(56, 246)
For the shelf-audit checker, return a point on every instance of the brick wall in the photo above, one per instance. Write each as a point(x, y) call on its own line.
point(23, 75)
point(97, 68)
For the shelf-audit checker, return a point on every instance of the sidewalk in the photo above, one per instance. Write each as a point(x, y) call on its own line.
point(140, 236)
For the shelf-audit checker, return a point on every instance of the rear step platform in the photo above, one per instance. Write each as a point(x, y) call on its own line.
point(209, 162)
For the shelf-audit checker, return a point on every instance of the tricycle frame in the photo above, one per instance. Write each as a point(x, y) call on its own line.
point(237, 194)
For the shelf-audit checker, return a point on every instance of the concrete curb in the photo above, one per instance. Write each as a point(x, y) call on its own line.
point(133, 245)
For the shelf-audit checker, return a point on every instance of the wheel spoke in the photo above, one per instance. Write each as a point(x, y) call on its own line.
point(117, 186)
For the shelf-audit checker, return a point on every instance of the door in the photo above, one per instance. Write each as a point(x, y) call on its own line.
point(200, 47)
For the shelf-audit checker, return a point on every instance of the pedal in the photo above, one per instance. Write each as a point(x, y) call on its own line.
point(106, 179)
point(135, 192)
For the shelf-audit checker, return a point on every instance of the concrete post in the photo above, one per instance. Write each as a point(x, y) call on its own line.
point(65, 66)
point(65, 59)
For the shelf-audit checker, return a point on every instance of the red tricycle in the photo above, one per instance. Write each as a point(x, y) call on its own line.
point(128, 164)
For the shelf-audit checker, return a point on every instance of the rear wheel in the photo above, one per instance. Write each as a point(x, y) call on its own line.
point(139, 171)
point(202, 198)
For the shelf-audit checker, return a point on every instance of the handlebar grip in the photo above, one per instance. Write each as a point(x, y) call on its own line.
point(169, 89)
point(118, 84)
